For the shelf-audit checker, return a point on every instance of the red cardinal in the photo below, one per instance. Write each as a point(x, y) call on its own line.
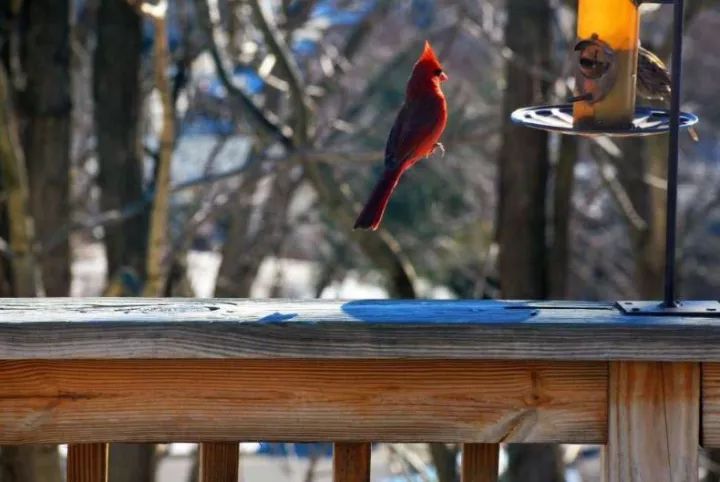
point(415, 134)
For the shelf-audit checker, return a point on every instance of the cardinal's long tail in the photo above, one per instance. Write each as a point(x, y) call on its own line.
point(374, 209)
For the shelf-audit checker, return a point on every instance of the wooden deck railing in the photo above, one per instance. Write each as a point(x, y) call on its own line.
point(88, 372)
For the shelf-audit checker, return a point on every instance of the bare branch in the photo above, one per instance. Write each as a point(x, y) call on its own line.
point(135, 208)
point(326, 157)
point(622, 198)
point(266, 121)
point(477, 28)
point(27, 280)
point(356, 38)
point(291, 71)
point(295, 19)
point(411, 459)
point(157, 238)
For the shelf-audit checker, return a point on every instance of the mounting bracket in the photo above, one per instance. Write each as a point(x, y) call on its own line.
point(707, 309)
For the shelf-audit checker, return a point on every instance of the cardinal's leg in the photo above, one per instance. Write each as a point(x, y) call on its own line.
point(438, 146)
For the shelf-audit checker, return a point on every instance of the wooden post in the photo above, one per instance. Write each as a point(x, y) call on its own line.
point(351, 462)
point(654, 422)
point(480, 462)
point(219, 462)
point(87, 463)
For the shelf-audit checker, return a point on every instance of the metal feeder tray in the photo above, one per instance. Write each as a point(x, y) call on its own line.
point(559, 118)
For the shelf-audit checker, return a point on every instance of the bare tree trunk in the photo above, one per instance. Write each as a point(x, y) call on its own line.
point(21, 463)
point(713, 474)
point(444, 459)
point(194, 473)
point(132, 463)
point(523, 158)
point(118, 107)
point(649, 202)
point(47, 109)
point(6, 22)
point(562, 210)
point(30, 463)
point(652, 257)
point(244, 251)
point(523, 165)
point(158, 234)
point(534, 463)
point(237, 269)
point(25, 276)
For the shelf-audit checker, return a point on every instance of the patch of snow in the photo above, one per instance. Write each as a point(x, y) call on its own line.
point(203, 267)
point(352, 287)
point(89, 270)
point(295, 277)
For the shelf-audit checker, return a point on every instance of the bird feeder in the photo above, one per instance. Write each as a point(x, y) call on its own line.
point(603, 103)
point(606, 65)
point(606, 59)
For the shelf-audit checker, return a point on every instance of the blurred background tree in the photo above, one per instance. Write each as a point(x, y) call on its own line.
point(221, 148)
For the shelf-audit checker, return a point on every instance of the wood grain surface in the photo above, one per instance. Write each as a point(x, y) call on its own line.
point(654, 422)
point(711, 405)
point(351, 462)
point(188, 400)
point(219, 461)
point(87, 462)
point(480, 462)
point(136, 328)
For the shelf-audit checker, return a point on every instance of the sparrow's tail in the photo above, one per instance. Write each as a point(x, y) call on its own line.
point(374, 209)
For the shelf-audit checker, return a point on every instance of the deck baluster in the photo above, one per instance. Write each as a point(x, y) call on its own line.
point(219, 462)
point(351, 462)
point(480, 462)
point(87, 462)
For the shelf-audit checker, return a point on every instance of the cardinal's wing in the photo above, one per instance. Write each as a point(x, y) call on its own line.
point(412, 134)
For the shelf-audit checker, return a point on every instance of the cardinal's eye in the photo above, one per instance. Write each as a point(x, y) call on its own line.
point(438, 72)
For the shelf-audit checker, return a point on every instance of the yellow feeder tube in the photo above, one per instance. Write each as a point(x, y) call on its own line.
point(616, 23)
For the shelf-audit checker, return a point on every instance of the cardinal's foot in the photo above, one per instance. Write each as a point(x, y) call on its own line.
point(439, 146)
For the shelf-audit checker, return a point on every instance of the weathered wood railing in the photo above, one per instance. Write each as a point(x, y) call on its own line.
point(88, 372)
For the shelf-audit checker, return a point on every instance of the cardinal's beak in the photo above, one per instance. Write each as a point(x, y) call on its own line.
point(443, 77)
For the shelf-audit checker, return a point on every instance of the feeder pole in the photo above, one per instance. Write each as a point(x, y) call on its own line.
point(670, 300)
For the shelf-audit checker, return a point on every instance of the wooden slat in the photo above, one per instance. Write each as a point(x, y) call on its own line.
point(323, 329)
point(300, 400)
point(87, 462)
point(711, 405)
point(654, 422)
point(219, 462)
point(351, 462)
point(480, 462)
